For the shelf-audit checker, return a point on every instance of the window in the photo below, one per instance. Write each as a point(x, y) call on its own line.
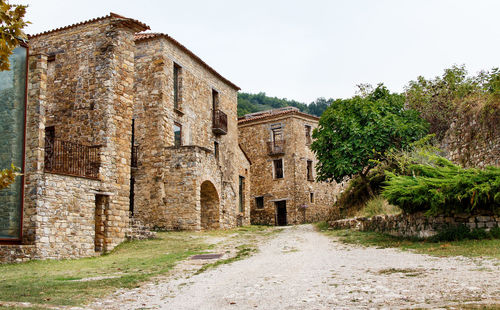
point(310, 176)
point(242, 193)
point(215, 100)
point(278, 168)
point(177, 86)
point(177, 134)
point(276, 133)
point(311, 197)
point(259, 202)
point(216, 150)
point(308, 134)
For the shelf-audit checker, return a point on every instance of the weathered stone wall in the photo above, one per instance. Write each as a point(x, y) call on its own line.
point(295, 188)
point(89, 98)
point(66, 217)
point(10, 253)
point(415, 225)
point(80, 81)
point(472, 141)
point(159, 200)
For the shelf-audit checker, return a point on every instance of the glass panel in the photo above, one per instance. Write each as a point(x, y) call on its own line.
point(12, 99)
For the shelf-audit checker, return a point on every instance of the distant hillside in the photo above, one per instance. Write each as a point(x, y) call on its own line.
point(250, 103)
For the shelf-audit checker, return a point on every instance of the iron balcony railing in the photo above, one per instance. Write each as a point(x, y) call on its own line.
point(276, 147)
point(219, 124)
point(69, 158)
point(135, 154)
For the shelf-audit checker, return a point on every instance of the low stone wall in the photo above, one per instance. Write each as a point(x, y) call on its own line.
point(415, 225)
point(16, 253)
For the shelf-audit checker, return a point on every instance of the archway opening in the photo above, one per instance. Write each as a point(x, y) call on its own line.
point(209, 201)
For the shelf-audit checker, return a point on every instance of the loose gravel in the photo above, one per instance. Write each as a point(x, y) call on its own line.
point(300, 268)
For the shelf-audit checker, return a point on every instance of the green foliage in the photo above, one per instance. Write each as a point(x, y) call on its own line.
point(462, 232)
point(436, 186)
point(251, 103)
point(443, 98)
point(11, 25)
point(378, 206)
point(354, 132)
point(7, 176)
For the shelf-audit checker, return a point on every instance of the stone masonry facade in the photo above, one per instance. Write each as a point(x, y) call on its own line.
point(284, 190)
point(175, 89)
point(97, 91)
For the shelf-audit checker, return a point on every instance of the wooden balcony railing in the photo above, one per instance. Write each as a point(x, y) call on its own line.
point(135, 154)
point(219, 124)
point(276, 147)
point(69, 158)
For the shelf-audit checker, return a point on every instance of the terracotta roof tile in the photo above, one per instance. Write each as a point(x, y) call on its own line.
point(140, 26)
point(273, 113)
point(141, 37)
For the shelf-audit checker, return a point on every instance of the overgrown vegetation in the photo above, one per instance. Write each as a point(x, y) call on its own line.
point(434, 185)
point(378, 206)
point(444, 98)
point(465, 247)
point(354, 134)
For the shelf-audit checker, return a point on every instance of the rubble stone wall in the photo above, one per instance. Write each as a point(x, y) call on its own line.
point(471, 142)
point(89, 98)
point(415, 225)
point(157, 196)
point(294, 187)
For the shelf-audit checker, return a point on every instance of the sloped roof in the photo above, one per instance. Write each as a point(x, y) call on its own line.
point(273, 113)
point(141, 37)
point(133, 23)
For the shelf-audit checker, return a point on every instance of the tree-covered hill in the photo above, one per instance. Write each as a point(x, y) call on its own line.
point(250, 103)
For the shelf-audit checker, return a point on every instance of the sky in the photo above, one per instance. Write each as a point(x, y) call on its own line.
point(304, 50)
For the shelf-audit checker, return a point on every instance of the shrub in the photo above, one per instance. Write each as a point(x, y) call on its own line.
point(440, 187)
point(462, 232)
point(378, 206)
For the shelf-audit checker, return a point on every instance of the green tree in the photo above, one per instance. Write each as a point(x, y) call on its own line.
point(11, 24)
point(355, 133)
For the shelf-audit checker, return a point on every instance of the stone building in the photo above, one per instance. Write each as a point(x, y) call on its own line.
point(191, 172)
point(101, 113)
point(283, 189)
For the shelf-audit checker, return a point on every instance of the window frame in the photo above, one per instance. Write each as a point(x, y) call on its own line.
point(178, 144)
point(257, 199)
point(310, 170)
point(241, 194)
point(177, 82)
point(275, 170)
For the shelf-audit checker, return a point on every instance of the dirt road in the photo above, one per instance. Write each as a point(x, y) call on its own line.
point(300, 268)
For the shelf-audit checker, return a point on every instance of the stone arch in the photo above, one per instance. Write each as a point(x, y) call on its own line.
point(209, 203)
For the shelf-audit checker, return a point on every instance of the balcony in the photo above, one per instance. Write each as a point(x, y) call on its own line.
point(135, 154)
point(219, 123)
point(276, 147)
point(69, 158)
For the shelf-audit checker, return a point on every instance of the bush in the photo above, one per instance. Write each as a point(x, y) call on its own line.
point(462, 232)
point(440, 187)
point(378, 206)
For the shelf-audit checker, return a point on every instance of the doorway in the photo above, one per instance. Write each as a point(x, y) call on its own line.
point(281, 212)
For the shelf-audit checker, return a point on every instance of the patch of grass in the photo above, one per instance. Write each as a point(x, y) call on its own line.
point(469, 248)
point(244, 251)
point(53, 282)
point(378, 206)
point(322, 226)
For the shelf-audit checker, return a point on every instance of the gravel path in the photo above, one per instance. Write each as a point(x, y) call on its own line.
point(302, 269)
